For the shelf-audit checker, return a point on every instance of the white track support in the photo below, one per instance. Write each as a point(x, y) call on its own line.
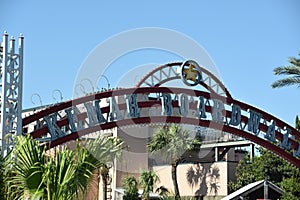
point(11, 77)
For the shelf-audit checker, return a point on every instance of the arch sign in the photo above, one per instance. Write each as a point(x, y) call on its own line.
point(151, 103)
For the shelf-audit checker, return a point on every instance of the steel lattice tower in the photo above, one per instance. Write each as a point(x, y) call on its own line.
point(11, 85)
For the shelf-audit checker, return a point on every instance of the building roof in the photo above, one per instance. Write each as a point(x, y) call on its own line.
point(122, 192)
point(251, 188)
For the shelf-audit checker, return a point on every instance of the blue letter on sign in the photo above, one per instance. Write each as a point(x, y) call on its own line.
point(54, 130)
point(166, 102)
point(73, 118)
point(217, 109)
point(235, 115)
point(270, 135)
point(184, 105)
point(114, 113)
point(201, 113)
point(253, 122)
point(285, 143)
point(132, 105)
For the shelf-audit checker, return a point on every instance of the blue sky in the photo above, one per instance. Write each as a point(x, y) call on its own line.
point(245, 39)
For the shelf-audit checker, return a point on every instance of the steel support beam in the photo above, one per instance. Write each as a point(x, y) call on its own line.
point(11, 78)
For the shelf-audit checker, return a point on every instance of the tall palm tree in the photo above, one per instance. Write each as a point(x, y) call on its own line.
point(32, 174)
point(292, 71)
point(105, 149)
point(147, 180)
point(171, 142)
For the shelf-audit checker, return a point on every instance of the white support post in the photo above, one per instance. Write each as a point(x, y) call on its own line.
point(216, 154)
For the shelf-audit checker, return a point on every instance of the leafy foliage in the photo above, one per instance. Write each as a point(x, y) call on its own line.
point(292, 71)
point(105, 149)
point(162, 191)
point(147, 180)
point(32, 173)
point(269, 167)
point(171, 142)
point(131, 188)
point(24, 170)
point(2, 196)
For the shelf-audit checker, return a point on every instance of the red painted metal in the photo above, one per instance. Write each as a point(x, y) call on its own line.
point(182, 120)
point(178, 77)
point(156, 119)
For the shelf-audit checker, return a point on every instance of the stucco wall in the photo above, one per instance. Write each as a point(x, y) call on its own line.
point(209, 179)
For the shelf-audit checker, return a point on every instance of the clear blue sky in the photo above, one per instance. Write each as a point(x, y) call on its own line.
point(246, 40)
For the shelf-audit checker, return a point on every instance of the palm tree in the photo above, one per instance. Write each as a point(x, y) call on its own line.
point(30, 173)
point(69, 174)
point(147, 180)
point(131, 188)
point(171, 142)
point(292, 71)
point(105, 149)
point(24, 170)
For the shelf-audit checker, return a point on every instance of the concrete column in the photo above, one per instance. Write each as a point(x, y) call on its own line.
point(216, 154)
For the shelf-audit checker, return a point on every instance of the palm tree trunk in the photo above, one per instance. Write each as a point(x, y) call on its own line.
point(104, 179)
point(174, 178)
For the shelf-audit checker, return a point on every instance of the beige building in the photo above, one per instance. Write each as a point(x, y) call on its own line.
point(201, 173)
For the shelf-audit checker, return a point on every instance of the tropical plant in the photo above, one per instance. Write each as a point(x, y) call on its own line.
point(269, 167)
point(162, 191)
point(171, 142)
point(291, 183)
point(24, 168)
point(2, 196)
point(292, 71)
point(130, 185)
point(31, 172)
point(105, 149)
point(147, 181)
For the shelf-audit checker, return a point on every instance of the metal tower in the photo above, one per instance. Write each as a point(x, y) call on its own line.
point(11, 83)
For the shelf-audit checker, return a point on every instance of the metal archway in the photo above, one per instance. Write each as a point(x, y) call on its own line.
point(168, 72)
point(56, 126)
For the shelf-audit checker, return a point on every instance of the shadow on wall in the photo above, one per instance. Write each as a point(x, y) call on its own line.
point(200, 176)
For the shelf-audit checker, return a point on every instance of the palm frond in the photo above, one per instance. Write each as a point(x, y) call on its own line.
point(292, 71)
point(30, 173)
point(23, 169)
point(286, 82)
point(287, 70)
point(294, 61)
